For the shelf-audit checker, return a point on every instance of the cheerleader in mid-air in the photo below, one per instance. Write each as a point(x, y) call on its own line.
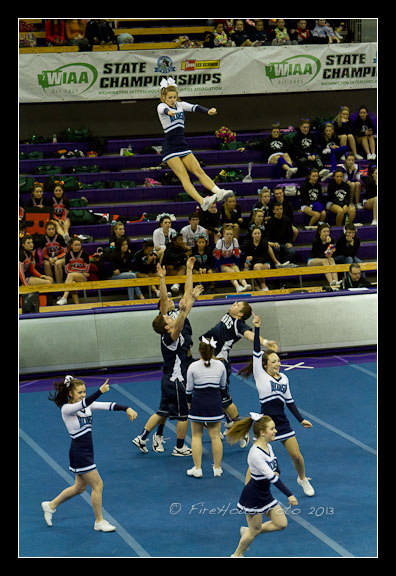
point(76, 410)
point(176, 152)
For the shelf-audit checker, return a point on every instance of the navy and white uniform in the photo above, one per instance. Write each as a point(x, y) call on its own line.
point(256, 497)
point(205, 385)
point(173, 126)
point(226, 332)
point(173, 392)
point(78, 421)
point(273, 393)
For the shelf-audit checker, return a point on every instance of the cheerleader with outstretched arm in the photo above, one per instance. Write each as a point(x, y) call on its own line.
point(176, 152)
point(76, 410)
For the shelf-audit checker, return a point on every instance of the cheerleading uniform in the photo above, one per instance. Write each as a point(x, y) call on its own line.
point(173, 402)
point(274, 393)
point(78, 421)
point(27, 266)
point(256, 497)
point(174, 144)
point(77, 262)
point(205, 388)
point(226, 255)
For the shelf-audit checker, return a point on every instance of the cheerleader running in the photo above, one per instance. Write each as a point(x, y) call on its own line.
point(274, 393)
point(256, 498)
point(76, 410)
point(175, 149)
point(206, 384)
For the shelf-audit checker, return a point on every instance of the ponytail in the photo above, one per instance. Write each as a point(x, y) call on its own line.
point(241, 427)
point(61, 393)
point(206, 352)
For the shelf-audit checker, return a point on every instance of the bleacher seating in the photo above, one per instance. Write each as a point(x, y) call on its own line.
point(132, 202)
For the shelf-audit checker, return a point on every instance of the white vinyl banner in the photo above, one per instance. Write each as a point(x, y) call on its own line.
point(121, 75)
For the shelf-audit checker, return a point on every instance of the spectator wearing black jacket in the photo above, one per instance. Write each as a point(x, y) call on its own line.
point(279, 232)
point(306, 151)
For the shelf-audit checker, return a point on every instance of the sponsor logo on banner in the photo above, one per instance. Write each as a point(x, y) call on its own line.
point(164, 65)
point(199, 64)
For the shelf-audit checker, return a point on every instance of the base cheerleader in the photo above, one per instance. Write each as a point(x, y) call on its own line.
point(256, 498)
point(76, 410)
point(176, 152)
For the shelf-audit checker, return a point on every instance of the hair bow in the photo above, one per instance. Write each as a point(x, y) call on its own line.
point(212, 341)
point(68, 380)
point(165, 82)
point(255, 416)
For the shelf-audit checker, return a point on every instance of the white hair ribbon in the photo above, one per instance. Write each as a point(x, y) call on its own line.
point(68, 380)
point(255, 416)
point(167, 82)
point(212, 341)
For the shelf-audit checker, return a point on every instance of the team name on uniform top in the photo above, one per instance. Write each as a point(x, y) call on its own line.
point(278, 387)
point(227, 320)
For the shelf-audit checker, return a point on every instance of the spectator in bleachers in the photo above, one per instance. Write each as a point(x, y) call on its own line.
point(258, 255)
point(117, 233)
point(345, 130)
point(312, 201)
point(54, 252)
point(28, 274)
point(190, 231)
point(76, 268)
point(231, 213)
point(163, 235)
point(37, 199)
point(277, 151)
point(370, 196)
point(75, 33)
point(258, 35)
point(203, 254)
point(263, 203)
point(301, 34)
point(122, 262)
point(256, 221)
point(330, 146)
point(55, 32)
point(347, 246)
point(355, 278)
point(352, 178)
point(288, 211)
point(279, 231)
point(323, 33)
point(239, 36)
point(99, 32)
point(61, 207)
point(227, 256)
point(280, 34)
point(339, 201)
point(210, 220)
point(145, 263)
point(322, 253)
point(175, 259)
point(306, 150)
point(364, 132)
point(219, 36)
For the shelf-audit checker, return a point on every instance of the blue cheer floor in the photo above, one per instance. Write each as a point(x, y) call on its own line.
point(161, 512)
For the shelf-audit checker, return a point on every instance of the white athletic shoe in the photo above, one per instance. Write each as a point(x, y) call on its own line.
point(48, 512)
point(185, 451)
point(223, 194)
point(243, 442)
point(217, 471)
point(141, 444)
point(208, 201)
point(196, 472)
point(158, 443)
point(306, 486)
point(62, 301)
point(104, 526)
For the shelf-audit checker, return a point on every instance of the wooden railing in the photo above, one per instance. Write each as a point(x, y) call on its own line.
point(197, 278)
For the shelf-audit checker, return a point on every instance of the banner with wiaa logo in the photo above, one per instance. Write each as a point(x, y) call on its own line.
point(122, 75)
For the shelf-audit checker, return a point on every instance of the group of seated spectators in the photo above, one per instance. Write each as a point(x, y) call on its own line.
point(220, 240)
point(86, 33)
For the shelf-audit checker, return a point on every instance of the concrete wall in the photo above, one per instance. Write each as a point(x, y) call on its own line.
point(99, 338)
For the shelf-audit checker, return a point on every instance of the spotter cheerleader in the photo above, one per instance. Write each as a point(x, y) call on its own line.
point(206, 384)
point(176, 152)
point(274, 392)
point(256, 498)
point(76, 409)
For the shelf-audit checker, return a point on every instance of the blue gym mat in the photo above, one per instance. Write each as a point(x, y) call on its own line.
point(161, 512)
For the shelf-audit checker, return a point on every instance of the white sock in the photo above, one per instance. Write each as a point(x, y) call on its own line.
point(215, 189)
